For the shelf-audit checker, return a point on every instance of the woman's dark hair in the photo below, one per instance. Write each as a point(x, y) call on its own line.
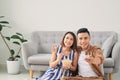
point(83, 30)
point(74, 46)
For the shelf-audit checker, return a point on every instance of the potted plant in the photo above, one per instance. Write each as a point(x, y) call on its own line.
point(16, 39)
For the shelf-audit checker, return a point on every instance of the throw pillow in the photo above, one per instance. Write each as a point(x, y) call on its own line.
point(107, 46)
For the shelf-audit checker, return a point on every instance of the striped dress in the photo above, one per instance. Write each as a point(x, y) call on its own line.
point(58, 72)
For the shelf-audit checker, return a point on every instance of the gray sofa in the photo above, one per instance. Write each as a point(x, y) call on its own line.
point(36, 54)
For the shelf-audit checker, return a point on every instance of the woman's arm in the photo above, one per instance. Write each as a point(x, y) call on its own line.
point(54, 58)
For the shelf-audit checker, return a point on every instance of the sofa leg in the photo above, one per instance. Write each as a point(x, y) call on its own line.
point(111, 76)
point(31, 73)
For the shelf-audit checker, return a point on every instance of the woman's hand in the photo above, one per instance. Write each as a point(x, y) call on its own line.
point(59, 57)
point(66, 67)
point(54, 49)
point(53, 61)
point(66, 63)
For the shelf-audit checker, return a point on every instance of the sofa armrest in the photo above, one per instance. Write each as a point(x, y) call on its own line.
point(28, 49)
point(116, 56)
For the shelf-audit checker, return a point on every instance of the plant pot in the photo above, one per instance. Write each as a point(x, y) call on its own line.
point(13, 67)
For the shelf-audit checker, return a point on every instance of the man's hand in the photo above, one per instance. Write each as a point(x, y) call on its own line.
point(93, 60)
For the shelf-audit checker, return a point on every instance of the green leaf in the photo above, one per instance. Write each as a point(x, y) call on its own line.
point(15, 37)
point(8, 38)
point(19, 38)
point(11, 59)
point(2, 16)
point(17, 56)
point(0, 27)
point(19, 34)
point(4, 22)
point(15, 42)
point(23, 40)
point(12, 52)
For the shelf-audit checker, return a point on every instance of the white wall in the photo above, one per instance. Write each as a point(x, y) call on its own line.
point(50, 15)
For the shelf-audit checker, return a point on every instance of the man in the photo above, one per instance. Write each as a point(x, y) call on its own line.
point(90, 58)
point(90, 66)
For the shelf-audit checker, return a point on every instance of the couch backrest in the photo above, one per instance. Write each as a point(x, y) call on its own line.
point(99, 37)
point(45, 39)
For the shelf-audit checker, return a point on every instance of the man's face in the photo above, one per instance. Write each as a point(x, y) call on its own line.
point(83, 40)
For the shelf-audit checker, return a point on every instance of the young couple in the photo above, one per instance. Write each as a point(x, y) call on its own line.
point(85, 58)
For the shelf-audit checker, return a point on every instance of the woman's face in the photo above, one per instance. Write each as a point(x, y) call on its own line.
point(83, 40)
point(68, 40)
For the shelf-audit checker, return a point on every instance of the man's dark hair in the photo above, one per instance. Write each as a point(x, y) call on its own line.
point(83, 30)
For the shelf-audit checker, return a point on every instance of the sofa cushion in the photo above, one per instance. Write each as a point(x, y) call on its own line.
point(108, 63)
point(107, 46)
point(42, 58)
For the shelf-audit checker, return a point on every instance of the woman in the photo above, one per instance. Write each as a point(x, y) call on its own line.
point(66, 51)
